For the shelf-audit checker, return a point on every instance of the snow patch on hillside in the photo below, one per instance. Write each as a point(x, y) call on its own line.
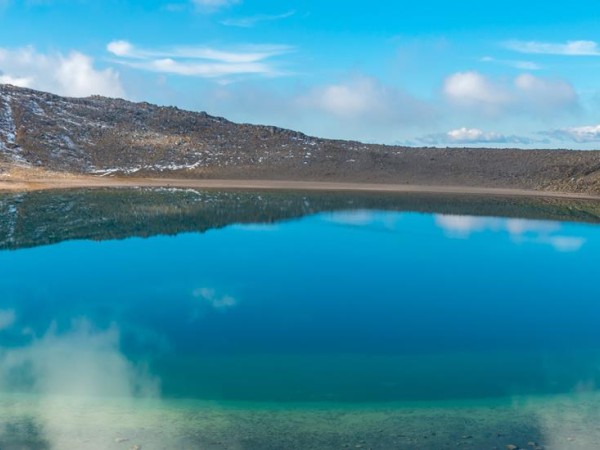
point(8, 130)
point(151, 167)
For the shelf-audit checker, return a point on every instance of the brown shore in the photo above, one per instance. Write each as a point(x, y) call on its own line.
point(83, 182)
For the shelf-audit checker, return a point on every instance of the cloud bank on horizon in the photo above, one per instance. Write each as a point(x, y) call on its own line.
point(469, 75)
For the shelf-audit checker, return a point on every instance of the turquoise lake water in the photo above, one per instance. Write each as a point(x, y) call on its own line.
point(359, 327)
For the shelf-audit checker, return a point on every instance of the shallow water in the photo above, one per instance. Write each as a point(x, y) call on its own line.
point(355, 327)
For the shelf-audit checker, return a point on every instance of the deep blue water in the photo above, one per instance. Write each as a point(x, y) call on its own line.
point(356, 306)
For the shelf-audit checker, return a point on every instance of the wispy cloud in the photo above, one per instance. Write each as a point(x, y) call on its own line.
point(201, 61)
point(582, 134)
point(213, 5)
point(569, 48)
point(246, 54)
point(251, 21)
point(517, 64)
point(470, 136)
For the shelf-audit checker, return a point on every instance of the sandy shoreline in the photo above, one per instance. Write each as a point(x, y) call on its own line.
point(37, 184)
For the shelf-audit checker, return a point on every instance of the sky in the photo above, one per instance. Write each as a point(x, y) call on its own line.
point(428, 73)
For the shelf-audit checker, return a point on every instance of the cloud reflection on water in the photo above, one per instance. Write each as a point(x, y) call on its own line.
point(519, 230)
point(7, 318)
point(214, 299)
point(65, 373)
point(362, 218)
point(82, 362)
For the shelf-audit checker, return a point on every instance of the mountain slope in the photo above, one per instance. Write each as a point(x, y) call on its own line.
point(105, 136)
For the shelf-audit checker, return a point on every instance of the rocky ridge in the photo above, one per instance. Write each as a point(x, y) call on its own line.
point(108, 137)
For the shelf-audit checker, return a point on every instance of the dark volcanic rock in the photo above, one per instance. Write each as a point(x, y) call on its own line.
point(105, 136)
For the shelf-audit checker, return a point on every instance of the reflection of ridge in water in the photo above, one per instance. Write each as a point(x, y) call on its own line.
point(41, 218)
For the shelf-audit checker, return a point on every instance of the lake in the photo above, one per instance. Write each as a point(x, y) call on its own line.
point(165, 318)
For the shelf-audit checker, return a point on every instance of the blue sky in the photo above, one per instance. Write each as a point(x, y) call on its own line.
point(439, 73)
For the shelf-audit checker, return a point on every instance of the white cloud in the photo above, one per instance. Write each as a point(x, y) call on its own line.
point(519, 230)
point(72, 75)
point(366, 99)
point(349, 100)
point(517, 227)
point(78, 78)
point(471, 89)
point(120, 48)
point(68, 372)
point(213, 299)
point(545, 93)
point(200, 61)
point(464, 226)
point(16, 81)
point(248, 22)
point(473, 136)
point(364, 219)
point(566, 243)
point(583, 134)
point(7, 318)
point(569, 48)
point(361, 108)
point(526, 94)
point(83, 362)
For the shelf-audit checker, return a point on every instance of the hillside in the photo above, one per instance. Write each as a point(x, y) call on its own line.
point(104, 137)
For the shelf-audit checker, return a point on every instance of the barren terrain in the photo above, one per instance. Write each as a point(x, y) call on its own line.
point(50, 141)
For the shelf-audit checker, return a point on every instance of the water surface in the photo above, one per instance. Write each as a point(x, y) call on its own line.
point(253, 320)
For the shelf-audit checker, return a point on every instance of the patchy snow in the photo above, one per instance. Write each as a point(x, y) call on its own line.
point(8, 130)
point(68, 142)
point(151, 167)
point(36, 109)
